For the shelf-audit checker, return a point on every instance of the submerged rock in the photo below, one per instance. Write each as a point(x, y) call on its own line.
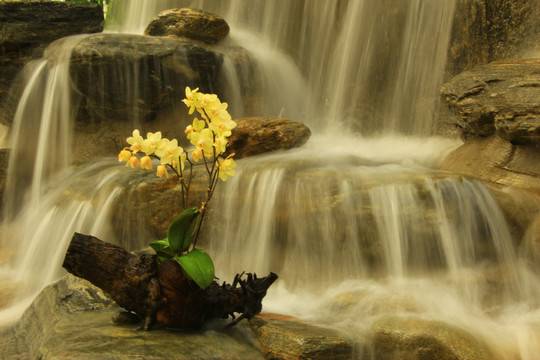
point(415, 338)
point(189, 23)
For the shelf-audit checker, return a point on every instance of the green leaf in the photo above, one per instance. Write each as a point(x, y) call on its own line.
point(162, 248)
point(181, 229)
point(199, 266)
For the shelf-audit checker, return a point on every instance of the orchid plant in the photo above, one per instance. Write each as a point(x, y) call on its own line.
point(209, 137)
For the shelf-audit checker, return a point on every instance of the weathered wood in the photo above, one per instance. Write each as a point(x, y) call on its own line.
point(162, 293)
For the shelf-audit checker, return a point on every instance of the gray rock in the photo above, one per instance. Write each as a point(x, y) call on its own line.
point(130, 77)
point(502, 97)
point(189, 23)
point(28, 26)
point(72, 319)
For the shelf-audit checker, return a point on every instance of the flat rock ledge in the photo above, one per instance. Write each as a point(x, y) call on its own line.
point(72, 319)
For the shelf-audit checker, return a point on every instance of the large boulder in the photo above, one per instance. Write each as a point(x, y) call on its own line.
point(189, 23)
point(73, 319)
point(130, 77)
point(500, 98)
point(27, 27)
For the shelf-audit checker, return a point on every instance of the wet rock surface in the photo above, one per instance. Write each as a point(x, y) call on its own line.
point(189, 23)
point(257, 135)
point(414, 338)
point(72, 319)
point(288, 338)
point(158, 69)
point(28, 26)
point(497, 161)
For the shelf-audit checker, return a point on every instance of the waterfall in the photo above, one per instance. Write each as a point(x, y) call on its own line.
point(358, 223)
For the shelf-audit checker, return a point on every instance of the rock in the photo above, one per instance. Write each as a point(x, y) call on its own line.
point(257, 135)
point(415, 338)
point(189, 23)
point(497, 161)
point(28, 26)
point(288, 338)
point(72, 319)
point(502, 97)
point(485, 30)
point(130, 77)
point(4, 162)
point(531, 245)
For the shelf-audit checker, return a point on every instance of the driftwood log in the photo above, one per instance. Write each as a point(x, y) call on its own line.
point(162, 292)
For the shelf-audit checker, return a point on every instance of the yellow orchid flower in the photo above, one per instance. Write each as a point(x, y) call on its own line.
point(170, 153)
point(226, 167)
point(124, 155)
point(162, 171)
point(133, 162)
point(146, 162)
point(191, 99)
point(151, 142)
point(136, 141)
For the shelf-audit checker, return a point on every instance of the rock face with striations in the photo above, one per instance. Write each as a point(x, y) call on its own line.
point(500, 98)
point(28, 26)
point(487, 30)
point(130, 77)
point(189, 23)
point(496, 108)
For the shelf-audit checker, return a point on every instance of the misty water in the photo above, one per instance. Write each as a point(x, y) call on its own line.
point(358, 223)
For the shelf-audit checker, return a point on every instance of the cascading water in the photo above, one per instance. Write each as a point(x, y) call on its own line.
point(359, 228)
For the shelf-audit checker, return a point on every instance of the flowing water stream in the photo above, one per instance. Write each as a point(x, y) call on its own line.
point(358, 223)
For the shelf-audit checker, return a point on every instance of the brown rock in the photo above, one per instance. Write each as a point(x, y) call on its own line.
point(257, 135)
point(288, 338)
point(501, 97)
point(497, 162)
point(189, 23)
point(487, 30)
point(414, 338)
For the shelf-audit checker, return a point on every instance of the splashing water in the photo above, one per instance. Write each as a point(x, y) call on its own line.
point(358, 227)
